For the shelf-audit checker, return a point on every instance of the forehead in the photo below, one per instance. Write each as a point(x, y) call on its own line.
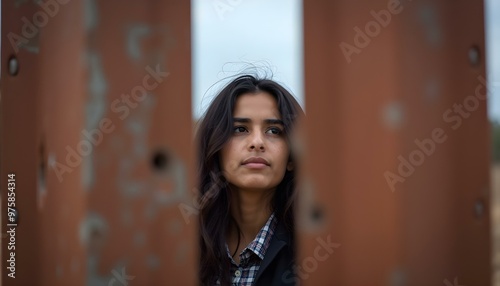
point(256, 105)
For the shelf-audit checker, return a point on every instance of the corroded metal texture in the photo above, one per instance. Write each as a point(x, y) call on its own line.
point(96, 124)
point(397, 177)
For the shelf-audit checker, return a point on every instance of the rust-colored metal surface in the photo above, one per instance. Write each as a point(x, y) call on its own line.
point(96, 126)
point(396, 180)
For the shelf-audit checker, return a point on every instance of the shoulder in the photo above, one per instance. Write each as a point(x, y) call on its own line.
point(278, 266)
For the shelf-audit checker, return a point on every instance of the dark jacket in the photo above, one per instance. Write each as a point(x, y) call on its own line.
point(277, 267)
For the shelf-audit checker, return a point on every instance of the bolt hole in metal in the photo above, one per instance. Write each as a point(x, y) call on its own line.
point(316, 214)
point(160, 160)
point(13, 66)
point(474, 55)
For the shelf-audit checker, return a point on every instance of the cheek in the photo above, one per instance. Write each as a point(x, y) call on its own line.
point(282, 152)
point(223, 160)
point(227, 155)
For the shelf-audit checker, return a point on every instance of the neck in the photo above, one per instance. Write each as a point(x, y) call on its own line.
point(251, 209)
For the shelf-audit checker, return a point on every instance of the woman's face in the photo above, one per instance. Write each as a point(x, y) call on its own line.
point(256, 155)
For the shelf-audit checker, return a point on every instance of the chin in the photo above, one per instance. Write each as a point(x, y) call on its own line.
point(256, 185)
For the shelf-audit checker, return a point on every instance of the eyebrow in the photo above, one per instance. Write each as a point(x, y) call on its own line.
point(268, 121)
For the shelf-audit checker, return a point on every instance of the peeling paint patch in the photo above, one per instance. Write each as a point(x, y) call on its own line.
point(88, 176)
point(162, 196)
point(93, 231)
point(134, 36)
point(97, 90)
point(429, 19)
point(153, 261)
point(392, 115)
point(397, 278)
point(32, 44)
point(94, 111)
point(94, 279)
point(132, 189)
point(90, 15)
point(93, 276)
point(34, 49)
point(59, 271)
point(51, 160)
point(97, 87)
point(137, 124)
point(159, 199)
point(137, 33)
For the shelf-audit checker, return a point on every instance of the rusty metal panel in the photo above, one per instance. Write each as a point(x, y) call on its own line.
point(44, 239)
point(396, 180)
point(95, 125)
point(96, 118)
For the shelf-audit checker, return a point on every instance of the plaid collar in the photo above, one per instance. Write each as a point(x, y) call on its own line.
point(260, 244)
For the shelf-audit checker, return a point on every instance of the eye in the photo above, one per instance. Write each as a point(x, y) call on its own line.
point(239, 129)
point(275, 131)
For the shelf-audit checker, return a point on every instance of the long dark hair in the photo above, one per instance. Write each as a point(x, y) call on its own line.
point(214, 131)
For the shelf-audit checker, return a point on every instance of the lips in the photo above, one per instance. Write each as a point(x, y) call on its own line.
point(255, 160)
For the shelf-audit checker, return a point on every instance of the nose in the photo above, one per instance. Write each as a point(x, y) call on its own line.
point(256, 141)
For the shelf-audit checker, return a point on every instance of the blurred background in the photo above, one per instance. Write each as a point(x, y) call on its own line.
point(99, 101)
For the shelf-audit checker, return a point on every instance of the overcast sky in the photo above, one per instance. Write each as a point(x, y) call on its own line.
point(226, 32)
point(492, 20)
point(228, 36)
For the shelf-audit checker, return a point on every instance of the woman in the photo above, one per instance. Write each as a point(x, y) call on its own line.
point(247, 182)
